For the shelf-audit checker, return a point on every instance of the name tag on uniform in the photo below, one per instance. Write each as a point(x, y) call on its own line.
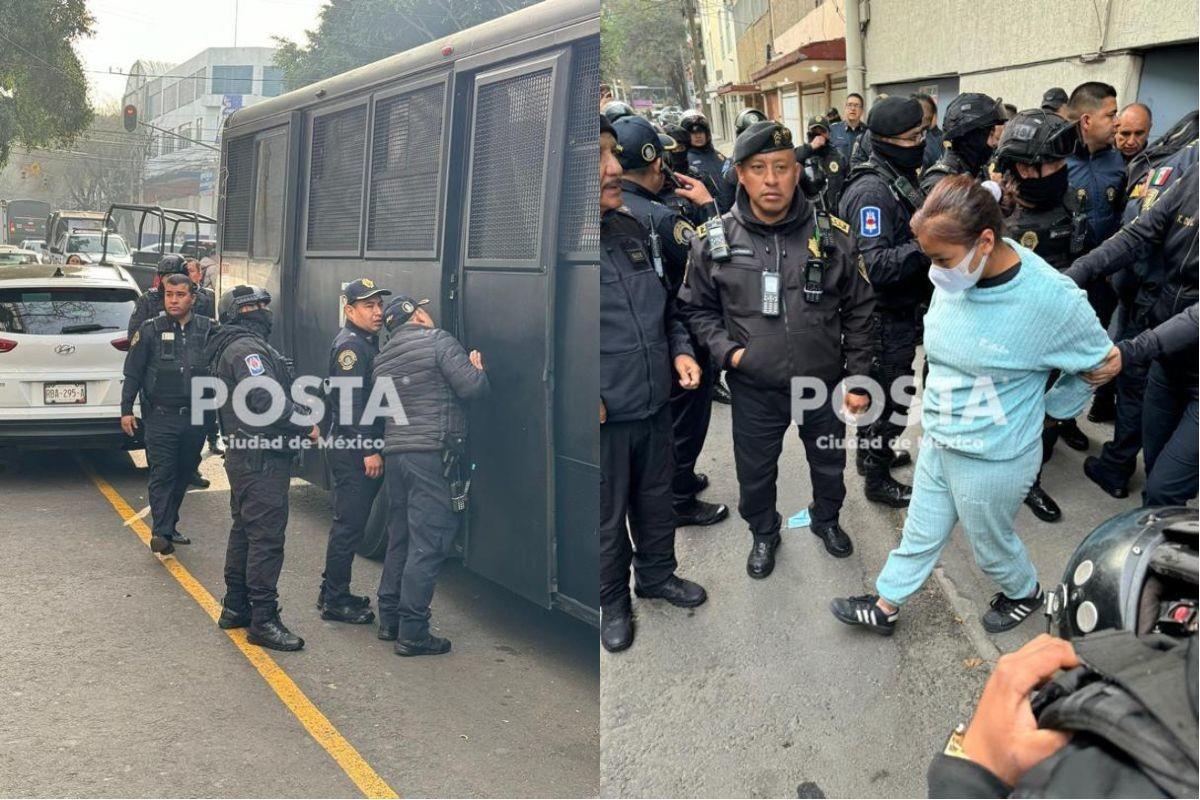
point(636, 254)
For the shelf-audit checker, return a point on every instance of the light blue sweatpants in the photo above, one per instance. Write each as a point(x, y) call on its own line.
point(985, 496)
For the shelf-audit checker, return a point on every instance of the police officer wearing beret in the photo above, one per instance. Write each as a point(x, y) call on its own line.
point(826, 160)
point(1169, 343)
point(354, 460)
point(790, 299)
point(669, 237)
point(644, 348)
point(150, 303)
point(165, 353)
point(879, 200)
point(974, 123)
point(258, 461)
point(432, 375)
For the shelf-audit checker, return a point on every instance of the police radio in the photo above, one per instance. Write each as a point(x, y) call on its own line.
point(656, 254)
point(1079, 230)
point(814, 267)
point(907, 192)
point(718, 248)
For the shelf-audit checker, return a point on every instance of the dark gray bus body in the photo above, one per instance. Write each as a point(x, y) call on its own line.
point(468, 177)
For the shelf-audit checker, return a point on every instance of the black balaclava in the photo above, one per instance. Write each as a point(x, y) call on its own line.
point(973, 147)
point(1044, 192)
point(258, 320)
point(904, 159)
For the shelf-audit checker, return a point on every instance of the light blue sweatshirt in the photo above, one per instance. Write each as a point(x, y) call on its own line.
point(991, 351)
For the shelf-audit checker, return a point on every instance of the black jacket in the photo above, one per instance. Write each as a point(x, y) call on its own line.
point(234, 354)
point(674, 232)
point(163, 358)
point(708, 162)
point(640, 333)
point(352, 355)
point(949, 163)
point(1058, 234)
point(432, 374)
point(895, 264)
point(150, 304)
point(825, 339)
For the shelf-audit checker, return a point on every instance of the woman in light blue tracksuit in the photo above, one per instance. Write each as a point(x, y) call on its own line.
point(1000, 322)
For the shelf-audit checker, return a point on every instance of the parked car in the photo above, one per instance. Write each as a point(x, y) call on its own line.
point(90, 244)
point(36, 245)
point(11, 254)
point(62, 353)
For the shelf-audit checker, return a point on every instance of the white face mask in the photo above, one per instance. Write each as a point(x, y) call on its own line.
point(958, 278)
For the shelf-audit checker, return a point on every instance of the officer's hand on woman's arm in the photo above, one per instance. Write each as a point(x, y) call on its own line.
point(476, 359)
point(129, 424)
point(1108, 369)
point(688, 371)
point(373, 465)
point(692, 189)
point(1003, 736)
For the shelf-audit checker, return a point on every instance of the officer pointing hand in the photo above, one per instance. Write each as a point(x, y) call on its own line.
point(693, 190)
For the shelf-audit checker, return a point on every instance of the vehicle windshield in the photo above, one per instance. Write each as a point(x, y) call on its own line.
point(57, 311)
point(11, 257)
point(91, 243)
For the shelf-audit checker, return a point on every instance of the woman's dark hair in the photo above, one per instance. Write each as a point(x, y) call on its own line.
point(958, 210)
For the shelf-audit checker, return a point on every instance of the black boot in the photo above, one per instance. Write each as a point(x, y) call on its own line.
point(721, 392)
point(883, 488)
point(677, 591)
point(428, 645)
point(175, 537)
point(1095, 473)
point(616, 626)
point(356, 600)
point(214, 446)
point(1042, 505)
point(161, 545)
point(345, 611)
point(389, 628)
point(863, 460)
point(701, 483)
point(233, 618)
point(761, 561)
point(837, 543)
point(270, 632)
point(199, 481)
point(1068, 431)
point(699, 512)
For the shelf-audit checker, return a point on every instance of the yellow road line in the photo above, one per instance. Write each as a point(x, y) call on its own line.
point(316, 723)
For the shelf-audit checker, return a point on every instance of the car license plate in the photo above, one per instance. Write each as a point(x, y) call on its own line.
point(65, 393)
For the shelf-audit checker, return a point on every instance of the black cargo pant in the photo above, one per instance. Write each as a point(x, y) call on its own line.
point(691, 412)
point(172, 452)
point(258, 499)
point(1103, 299)
point(1169, 435)
point(896, 342)
point(761, 417)
point(353, 497)
point(1118, 458)
point(421, 530)
point(637, 520)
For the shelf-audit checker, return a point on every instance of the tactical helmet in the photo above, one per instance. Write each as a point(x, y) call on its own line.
point(746, 118)
point(617, 109)
point(972, 111)
point(172, 264)
point(693, 121)
point(241, 295)
point(1135, 572)
point(1035, 137)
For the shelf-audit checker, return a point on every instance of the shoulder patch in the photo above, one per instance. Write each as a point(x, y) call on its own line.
point(347, 359)
point(254, 364)
point(839, 223)
point(1029, 239)
point(870, 224)
point(683, 232)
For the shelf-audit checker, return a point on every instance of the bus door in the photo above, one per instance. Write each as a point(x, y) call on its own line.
point(506, 258)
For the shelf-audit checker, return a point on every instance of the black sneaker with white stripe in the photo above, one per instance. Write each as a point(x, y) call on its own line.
point(863, 611)
point(1007, 613)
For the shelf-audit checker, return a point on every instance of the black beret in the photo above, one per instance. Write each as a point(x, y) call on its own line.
point(761, 137)
point(893, 116)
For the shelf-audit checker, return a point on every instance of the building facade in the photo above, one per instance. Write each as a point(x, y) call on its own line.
point(719, 44)
point(790, 55)
point(188, 104)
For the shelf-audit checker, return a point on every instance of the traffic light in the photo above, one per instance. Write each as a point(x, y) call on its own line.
point(130, 116)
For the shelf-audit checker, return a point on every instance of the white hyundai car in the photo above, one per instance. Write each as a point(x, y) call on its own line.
point(62, 354)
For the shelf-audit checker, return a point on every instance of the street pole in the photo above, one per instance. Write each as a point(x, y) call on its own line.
point(699, 76)
point(855, 70)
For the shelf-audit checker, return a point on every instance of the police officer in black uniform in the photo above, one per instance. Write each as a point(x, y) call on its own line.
point(790, 299)
point(165, 352)
point(1169, 345)
point(974, 123)
point(644, 349)
point(150, 303)
point(706, 163)
point(258, 462)
point(195, 272)
point(745, 118)
point(355, 460)
point(826, 165)
point(669, 237)
point(1047, 219)
point(879, 200)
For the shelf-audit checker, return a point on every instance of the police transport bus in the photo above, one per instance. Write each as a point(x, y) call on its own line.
point(465, 171)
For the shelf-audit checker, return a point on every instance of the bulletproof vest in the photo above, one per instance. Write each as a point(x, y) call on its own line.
point(903, 190)
point(177, 356)
point(1057, 234)
point(1138, 696)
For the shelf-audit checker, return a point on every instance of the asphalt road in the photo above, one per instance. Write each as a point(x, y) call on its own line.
point(115, 683)
point(762, 693)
